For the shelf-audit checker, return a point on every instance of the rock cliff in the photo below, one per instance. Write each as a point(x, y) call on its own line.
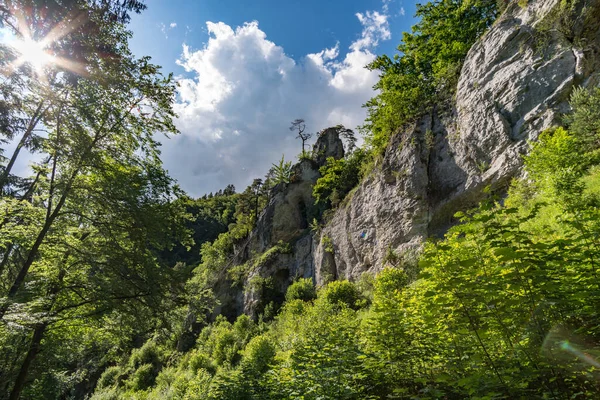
point(515, 83)
point(280, 248)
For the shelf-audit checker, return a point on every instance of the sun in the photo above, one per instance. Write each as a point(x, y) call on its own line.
point(33, 53)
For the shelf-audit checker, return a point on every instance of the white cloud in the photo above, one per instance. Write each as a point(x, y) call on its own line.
point(375, 28)
point(402, 12)
point(235, 111)
point(166, 28)
point(386, 6)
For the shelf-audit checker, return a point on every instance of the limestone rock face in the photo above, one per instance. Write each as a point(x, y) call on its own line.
point(514, 84)
point(328, 144)
point(286, 220)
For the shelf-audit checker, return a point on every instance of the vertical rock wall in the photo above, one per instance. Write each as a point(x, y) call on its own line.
point(515, 83)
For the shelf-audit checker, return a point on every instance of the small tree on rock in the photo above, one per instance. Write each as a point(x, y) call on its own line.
point(300, 126)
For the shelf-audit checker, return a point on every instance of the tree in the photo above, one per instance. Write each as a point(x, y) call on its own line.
point(425, 71)
point(72, 33)
point(282, 171)
point(229, 190)
point(338, 177)
point(348, 136)
point(255, 188)
point(300, 126)
point(88, 232)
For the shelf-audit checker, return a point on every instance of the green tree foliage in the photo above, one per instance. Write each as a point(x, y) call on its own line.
point(208, 218)
point(303, 289)
point(282, 172)
point(425, 71)
point(338, 177)
point(342, 293)
point(95, 257)
point(82, 240)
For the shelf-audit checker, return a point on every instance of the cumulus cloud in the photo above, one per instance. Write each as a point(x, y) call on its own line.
point(243, 91)
point(375, 28)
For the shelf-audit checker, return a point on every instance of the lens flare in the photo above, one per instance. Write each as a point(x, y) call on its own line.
point(33, 53)
point(39, 54)
point(565, 345)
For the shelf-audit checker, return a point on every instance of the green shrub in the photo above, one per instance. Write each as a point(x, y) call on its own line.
point(244, 329)
point(228, 384)
point(426, 69)
point(200, 360)
point(272, 253)
point(366, 286)
point(143, 377)
point(390, 280)
point(342, 292)
point(110, 377)
point(149, 353)
point(258, 355)
point(106, 394)
point(339, 177)
point(302, 289)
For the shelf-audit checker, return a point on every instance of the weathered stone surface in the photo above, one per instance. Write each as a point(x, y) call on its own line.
point(514, 84)
point(328, 144)
point(286, 220)
point(388, 209)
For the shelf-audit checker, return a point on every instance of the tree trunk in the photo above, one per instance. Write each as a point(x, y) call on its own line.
point(38, 334)
point(32, 124)
point(34, 349)
point(34, 249)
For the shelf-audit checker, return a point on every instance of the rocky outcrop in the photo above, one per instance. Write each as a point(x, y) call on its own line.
point(328, 144)
point(515, 83)
point(280, 248)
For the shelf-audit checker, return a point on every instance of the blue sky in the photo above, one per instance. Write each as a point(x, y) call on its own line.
point(248, 67)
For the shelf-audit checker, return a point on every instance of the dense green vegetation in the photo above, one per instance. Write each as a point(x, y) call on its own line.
point(505, 306)
point(339, 177)
point(426, 70)
point(110, 275)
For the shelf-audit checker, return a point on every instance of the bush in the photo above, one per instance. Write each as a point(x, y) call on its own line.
point(149, 353)
point(390, 280)
point(342, 292)
point(111, 394)
point(427, 67)
point(143, 377)
point(338, 177)
point(258, 355)
point(303, 289)
point(110, 377)
point(200, 360)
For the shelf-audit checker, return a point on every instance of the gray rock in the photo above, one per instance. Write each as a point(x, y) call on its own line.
point(328, 144)
point(514, 84)
point(285, 220)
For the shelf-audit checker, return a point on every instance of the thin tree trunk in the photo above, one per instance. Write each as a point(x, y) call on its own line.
point(32, 124)
point(38, 334)
point(5, 257)
point(34, 349)
point(34, 250)
point(33, 253)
